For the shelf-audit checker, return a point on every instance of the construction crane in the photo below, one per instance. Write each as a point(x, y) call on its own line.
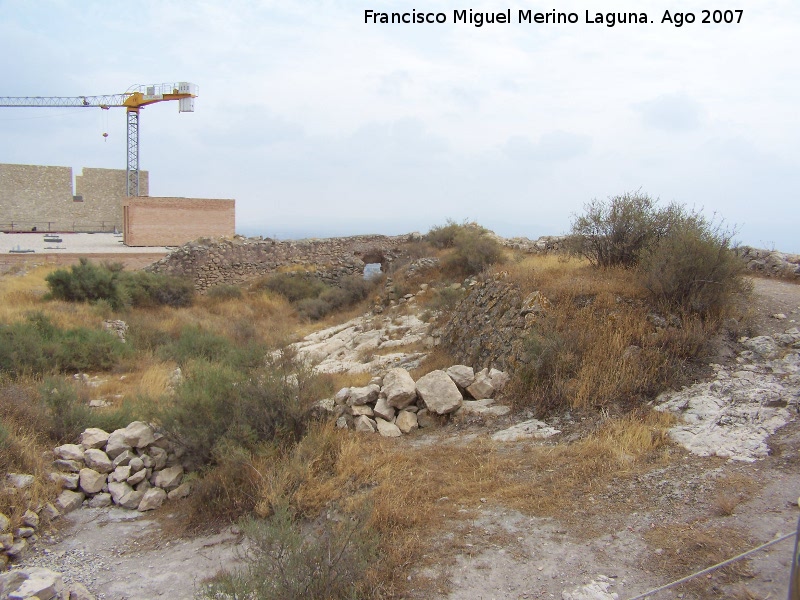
point(135, 99)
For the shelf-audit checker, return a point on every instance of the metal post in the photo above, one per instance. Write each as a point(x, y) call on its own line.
point(794, 581)
point(132, 170)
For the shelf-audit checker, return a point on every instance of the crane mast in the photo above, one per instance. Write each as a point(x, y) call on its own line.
point(136, 98)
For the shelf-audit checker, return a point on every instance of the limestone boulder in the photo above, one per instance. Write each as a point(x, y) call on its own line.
point(124, 458)
point(66, 481)
point(20, 481)
point(462, 375)
point(137, 477)
point(763, 345)
point(363, 395)
point(118, 489)
point(91, 482)
point(399, 388)
point(5, 523)
point(69, 452)
point(363, 410)
point(182, 491)
point(383, 410)
point(426, 419)
point(68, 501)
point(17, 548)
point(159, 456)
point(94, 438)
point(40, 583)
point(138, 435)
point(341, 396)
point(439, 393)
point(498, 378)
point(101, 500)
point(365, 424)
point(136, 464)
point(406, 421)
point(67, 466)
point(120, 474)
point(152, 499)
point(6, 541)
point(116, 443)
point(98, 460)
point(169, 478)
point(387, 429)
point(482, 387)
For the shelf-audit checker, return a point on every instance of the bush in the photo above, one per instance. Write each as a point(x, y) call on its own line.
point(37, 347)
point(616, 232)
point(295, 287)
point(89, 282)
point(284, 562)
point(444, 236)
point(693, 267)
point(196, 343)
point(473, 251)
point(218, 404)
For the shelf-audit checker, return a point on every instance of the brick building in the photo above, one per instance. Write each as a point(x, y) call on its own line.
point(175, 221)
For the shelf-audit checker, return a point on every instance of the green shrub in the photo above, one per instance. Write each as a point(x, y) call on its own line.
point(284, 562)
point(219, 404)
point(693, 267)
point(295, 286)
point(197, 343)
point(67, 409)
point(473, 251)
point(616, 232)
point(37, 347)
point(89, 282)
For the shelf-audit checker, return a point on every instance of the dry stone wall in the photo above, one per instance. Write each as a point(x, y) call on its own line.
point(210, 262)
point(770, 262)
point(488, 326)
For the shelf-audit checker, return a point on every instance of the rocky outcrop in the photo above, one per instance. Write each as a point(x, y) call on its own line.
point(41, 584)
point(770, 262)
point(234, 261)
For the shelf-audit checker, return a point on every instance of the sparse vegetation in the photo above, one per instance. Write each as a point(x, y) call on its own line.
point(313, 298)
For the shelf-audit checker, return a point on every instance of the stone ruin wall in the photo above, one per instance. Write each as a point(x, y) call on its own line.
point(210, 262)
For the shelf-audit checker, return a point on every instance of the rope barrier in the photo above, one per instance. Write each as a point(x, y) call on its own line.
point(714, 568)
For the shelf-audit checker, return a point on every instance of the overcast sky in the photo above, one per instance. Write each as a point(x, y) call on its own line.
point(319, 124)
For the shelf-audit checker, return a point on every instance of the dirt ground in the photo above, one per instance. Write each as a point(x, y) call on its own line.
point(643, 531)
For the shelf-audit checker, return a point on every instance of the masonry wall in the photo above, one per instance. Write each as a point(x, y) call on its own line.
point(176, 221)
point(103, 192)
point(42, 197)
point(34, 196)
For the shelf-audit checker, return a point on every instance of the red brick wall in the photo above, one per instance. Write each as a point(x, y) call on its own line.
point(175, 221)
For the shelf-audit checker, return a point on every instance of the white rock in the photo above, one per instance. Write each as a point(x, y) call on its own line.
point(120, 474)
point(94, 438)
point(24, 532)
point(68, 501)
point(6, 541)
point(17, 548)
point(439, 393)
point(498, 378)
point(116, 443)
point(77, 591)
point(387, 429)
point(67, 481)
point(399, 388)
point(485, 408)
point(118, 489)
point(406, 421)
point(595, 590)
point(51, 512)
point(425, 418)
point(482, 387)
point(19, 481)
point(358, 411)
point(526, 430)
point(182, 491)
point(762, 345)
point(341, 396)
point(152, 499)
point(68, 466)
point(91, 481)
point(159, 456)
point(462, 375)
point(69, 452)
point(383, 410)
point(365, 424)
point(40, 583)
point(169, 478)
point(137, 477)
point(136, 464)
point(101, 500)
point(363, 395)
point(124, 458)
point(98, 460)
point(138, 435)
point(5, 523)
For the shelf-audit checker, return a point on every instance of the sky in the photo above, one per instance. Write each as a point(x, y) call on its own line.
point(320, 124)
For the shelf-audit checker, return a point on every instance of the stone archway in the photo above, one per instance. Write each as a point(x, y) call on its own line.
point(374, 256)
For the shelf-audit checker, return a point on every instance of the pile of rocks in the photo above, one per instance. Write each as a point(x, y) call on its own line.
point(40, 584)
point(395, 404)
point(135, 467)
point(770, 262)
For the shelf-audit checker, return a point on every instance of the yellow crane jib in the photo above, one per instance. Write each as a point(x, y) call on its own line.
point(133, 100)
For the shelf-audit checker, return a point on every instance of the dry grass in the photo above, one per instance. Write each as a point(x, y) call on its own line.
point(414, 494)
point(731, 492)
point(688, 548)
